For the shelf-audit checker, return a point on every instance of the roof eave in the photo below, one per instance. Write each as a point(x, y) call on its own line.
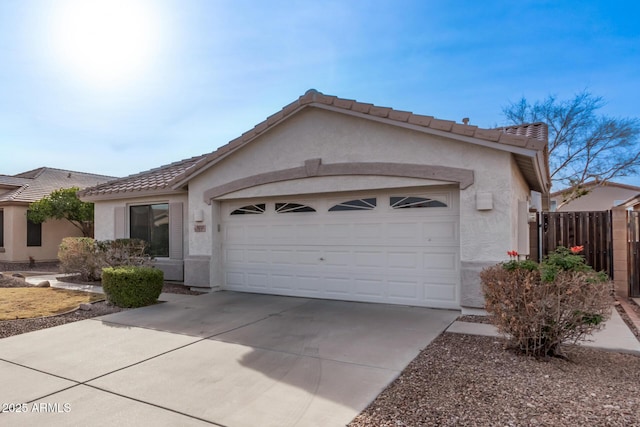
point(631, 202)
point(14, 203)
point(132, 194)
point(182, 180)
point(542, 172)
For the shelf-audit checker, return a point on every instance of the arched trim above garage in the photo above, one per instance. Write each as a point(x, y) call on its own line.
point(315, 167)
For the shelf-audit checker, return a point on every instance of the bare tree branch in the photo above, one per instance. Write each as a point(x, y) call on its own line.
point(583, 145)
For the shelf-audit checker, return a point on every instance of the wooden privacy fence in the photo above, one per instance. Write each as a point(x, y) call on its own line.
point(633, 239)
point(589, 229)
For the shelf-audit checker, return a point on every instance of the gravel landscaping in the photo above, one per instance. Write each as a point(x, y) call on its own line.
point(462, 380)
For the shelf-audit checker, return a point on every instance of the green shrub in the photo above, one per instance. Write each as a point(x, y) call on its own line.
point(132, 286)
point(561, 300)
point(87, 257)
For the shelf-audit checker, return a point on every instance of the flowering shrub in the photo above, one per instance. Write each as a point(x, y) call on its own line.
point(541, 306)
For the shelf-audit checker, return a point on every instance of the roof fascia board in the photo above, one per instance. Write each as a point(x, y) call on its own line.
point(184, 181)
point(14, 203)
point(539, 161)
point(10, 186)
point(132, 195)
point(630, 202)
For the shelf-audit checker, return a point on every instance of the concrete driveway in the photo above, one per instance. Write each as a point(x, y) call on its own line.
point(228, 359)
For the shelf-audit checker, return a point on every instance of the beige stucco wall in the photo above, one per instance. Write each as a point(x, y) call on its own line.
point(485, 236)
point(15, 237)
point(598, 199)
point(105, 226)
point(104, 213)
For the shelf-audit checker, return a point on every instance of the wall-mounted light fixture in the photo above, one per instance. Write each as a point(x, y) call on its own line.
point(484, 201)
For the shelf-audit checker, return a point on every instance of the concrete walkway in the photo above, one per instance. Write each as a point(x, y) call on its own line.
point(615, 336)
point(55, 283)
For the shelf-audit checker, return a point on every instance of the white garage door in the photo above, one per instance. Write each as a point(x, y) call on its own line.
point(399, 247)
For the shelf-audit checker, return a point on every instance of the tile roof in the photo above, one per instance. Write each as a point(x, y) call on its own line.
point(153, 179)
point(537, 130)
point(530, 136)
point(33, 185)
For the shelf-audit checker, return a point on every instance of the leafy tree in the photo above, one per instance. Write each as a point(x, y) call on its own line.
point(584, 146)
point(64, 204)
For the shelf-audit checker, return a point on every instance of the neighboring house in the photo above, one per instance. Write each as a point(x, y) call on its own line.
point(600, 198)
point(333, 198)
point(22, 241)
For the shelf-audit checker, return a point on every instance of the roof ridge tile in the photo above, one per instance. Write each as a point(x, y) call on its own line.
point(439, 124)
point(420, 120)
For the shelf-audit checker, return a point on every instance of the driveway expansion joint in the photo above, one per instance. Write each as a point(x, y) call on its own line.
point(41, 371)
point(156, 406)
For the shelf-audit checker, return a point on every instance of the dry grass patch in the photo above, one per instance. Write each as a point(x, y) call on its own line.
point(27, 303)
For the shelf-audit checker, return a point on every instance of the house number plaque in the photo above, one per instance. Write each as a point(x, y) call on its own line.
point(199, 228)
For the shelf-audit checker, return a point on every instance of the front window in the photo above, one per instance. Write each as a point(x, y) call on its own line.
point(151, 224)
point(1, 228)
point(34, 233)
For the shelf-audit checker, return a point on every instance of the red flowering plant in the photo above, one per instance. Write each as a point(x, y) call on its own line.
point(514, 262)
point(563, 259)
point(540, 306)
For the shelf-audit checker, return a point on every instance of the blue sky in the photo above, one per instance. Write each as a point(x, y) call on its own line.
point(131, 85)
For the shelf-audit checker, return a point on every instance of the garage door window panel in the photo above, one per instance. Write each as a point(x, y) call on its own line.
point(293, 208)
point(404, 202)
point(355, 205)
point(250, 210)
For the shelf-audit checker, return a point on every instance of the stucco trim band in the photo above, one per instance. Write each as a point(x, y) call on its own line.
point(314, 167)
